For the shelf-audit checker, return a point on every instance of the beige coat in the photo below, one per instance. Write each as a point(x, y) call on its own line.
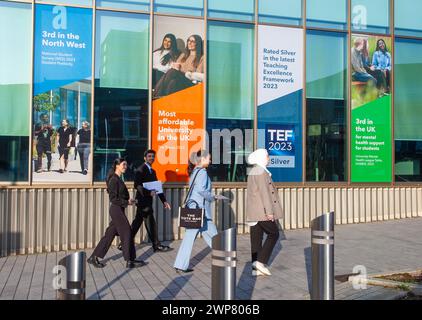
point(262, 196)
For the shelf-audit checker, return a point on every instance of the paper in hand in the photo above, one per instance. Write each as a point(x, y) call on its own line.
point(221, 197)
point(156, 186)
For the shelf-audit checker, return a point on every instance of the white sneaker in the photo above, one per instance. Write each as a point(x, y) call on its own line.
point(257, 273)
point(262, 268)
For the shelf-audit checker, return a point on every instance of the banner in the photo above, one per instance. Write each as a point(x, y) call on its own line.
point(62, 94)
point(371, 159)
point(178, 95)
point(280, 89)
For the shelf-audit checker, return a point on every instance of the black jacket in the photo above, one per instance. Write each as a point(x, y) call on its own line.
point(142, 174)
point(117, 191)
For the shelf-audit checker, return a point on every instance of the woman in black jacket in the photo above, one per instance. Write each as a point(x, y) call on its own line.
point(119, 225)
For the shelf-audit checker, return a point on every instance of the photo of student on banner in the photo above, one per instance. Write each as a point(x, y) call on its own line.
point(178, 62)
point(371, 68)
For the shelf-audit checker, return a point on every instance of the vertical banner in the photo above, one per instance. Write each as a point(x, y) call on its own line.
point(178, 94)
point(62, 94)
point(371, 159)
point(280, 89)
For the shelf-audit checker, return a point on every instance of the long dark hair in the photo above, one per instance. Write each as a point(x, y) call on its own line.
point(199, 49)
point(194, 159)
point(378, 47)
point(174, 51)
point(110, 173)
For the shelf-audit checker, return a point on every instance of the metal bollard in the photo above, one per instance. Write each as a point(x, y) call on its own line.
point(73, 288)
point(322, 235)
point(223, 276)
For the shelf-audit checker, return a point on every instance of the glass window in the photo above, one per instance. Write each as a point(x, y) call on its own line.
point(62, 93)
point(371, 15)
point(15, 79)
point(230, 98)
point(68, 2)
point(330, 14)
point(326, 150)
point(283, 12)
point(124, 4)
point(121, 91)
point(186, 7)
point(408, 110)
point(407, 17)
point(238, 10)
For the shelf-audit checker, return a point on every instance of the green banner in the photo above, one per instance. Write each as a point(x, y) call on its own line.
point(371, 141)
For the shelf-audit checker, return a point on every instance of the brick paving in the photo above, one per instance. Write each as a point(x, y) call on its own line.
point(381, 247)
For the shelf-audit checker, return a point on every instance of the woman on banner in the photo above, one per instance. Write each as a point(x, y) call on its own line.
point(84, 146)
point(262, 210)
point(200, 196)
point(381, 60)
point(370, 68)
point(119, 224)
point(164, 56)
point(359, 72)
point(186, 71)
point(64, 143)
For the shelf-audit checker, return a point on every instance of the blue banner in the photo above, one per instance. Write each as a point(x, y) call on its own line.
point(280, 91)
point(63, 46)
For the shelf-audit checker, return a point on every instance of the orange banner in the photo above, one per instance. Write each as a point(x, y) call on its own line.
point(177, 130)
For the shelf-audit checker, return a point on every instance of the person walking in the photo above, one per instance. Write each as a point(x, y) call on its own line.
point(119, 225)
point(200, 196)
point(84, 146)
point(64, 143)
point(144, 211)
point(43, 131)
point(262, 210)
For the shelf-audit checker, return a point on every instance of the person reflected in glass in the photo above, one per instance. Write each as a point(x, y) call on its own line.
point(164, 56)
point(187, 71)
point(119, 224)
point(200, 197)
point(64, 143)
point(43, 132)
point(381, 60)
point(84, 146)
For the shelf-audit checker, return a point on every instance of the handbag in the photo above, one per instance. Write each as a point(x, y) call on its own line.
point(191, 218)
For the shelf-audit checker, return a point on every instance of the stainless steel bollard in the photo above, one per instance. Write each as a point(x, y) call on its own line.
point(224, 260)
point(322, 235)
point(73, 287)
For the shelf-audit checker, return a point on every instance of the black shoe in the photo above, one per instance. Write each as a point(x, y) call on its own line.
point(119, 247)
point(85, 172)
point(162, 248)
point(135, 264)
point(183, 271)
point(95, 262)
point(60, 170)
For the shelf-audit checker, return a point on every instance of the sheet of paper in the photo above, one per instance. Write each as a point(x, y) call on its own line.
point(156, 186)
point(221, 197)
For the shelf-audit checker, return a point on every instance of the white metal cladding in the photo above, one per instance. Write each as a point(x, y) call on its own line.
point(53, 219)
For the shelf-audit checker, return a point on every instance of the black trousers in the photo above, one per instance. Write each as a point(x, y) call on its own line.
point(146, 213)
point(262, 252)
point(119, 225)
point(43, 148)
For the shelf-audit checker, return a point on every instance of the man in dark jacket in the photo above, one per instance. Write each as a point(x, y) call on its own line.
point(144, 197)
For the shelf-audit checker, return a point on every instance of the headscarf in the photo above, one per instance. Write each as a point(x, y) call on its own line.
point(259, 157)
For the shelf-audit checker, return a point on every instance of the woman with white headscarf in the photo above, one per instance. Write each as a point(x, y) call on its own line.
point(262, 210)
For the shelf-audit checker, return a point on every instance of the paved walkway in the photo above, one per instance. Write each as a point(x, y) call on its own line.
point(380, 247)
